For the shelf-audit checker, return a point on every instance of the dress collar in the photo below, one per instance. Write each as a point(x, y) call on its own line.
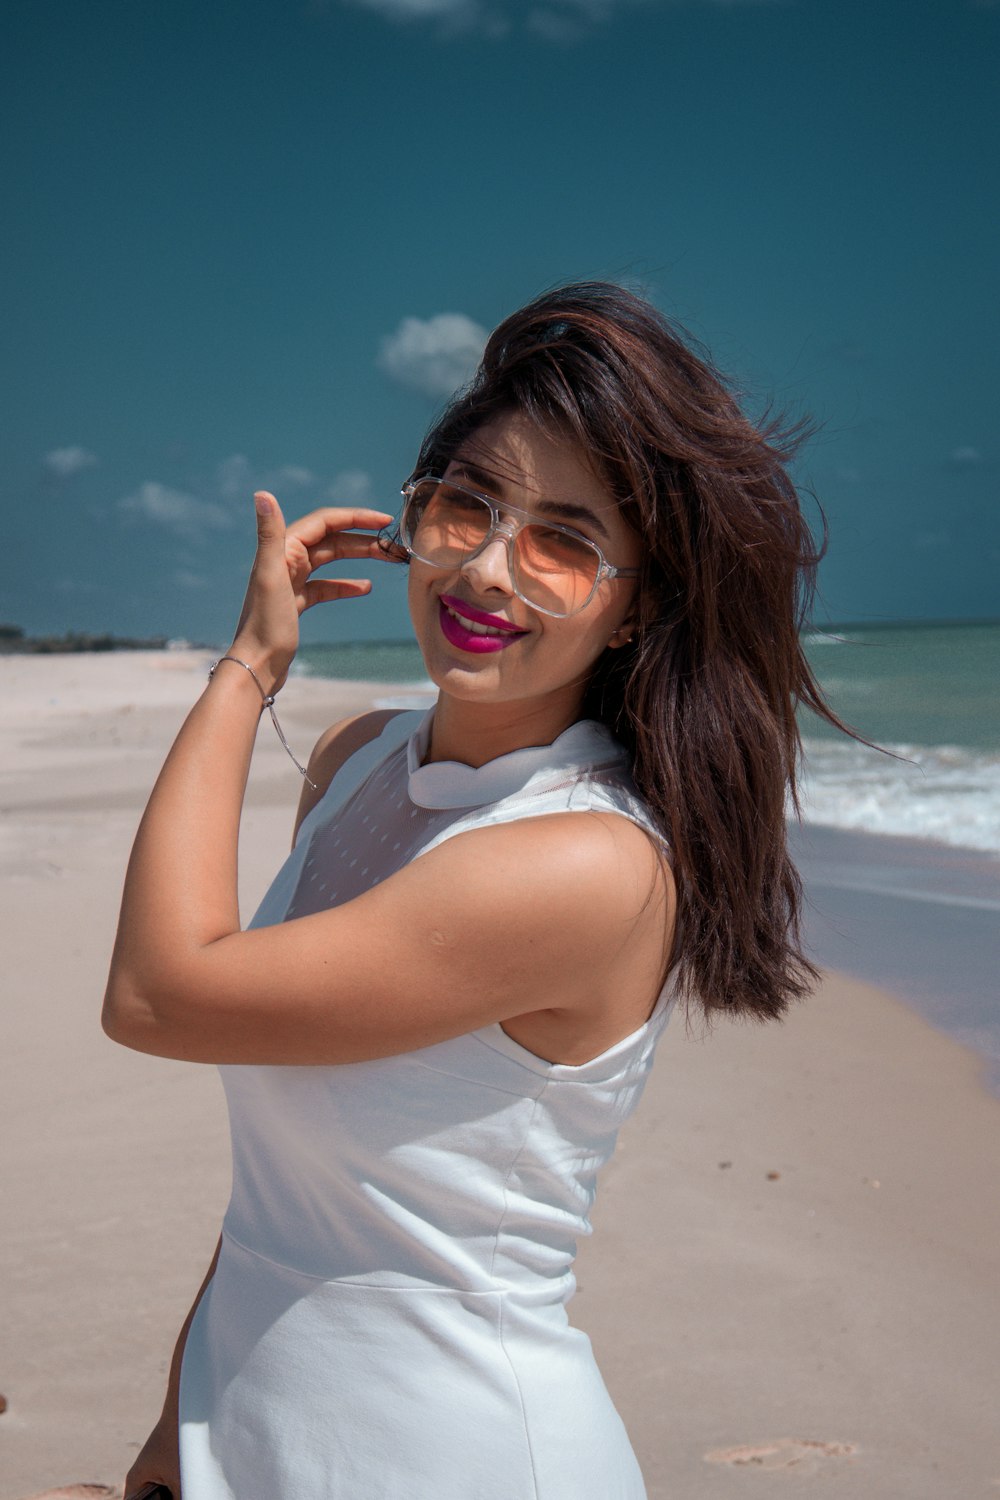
point(584, 746)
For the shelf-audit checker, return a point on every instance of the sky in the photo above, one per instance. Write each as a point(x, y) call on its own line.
point(258, 242)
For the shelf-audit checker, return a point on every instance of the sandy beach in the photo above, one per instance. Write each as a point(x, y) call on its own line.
point(792, 1282)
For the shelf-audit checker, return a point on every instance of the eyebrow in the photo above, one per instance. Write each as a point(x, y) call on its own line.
point(563, 510)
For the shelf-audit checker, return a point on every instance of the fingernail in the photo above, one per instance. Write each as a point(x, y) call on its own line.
point(262, 503)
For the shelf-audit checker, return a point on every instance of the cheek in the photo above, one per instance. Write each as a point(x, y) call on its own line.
point(583, 646)
point(419, 595)
point(412, 598)
point(610, 613)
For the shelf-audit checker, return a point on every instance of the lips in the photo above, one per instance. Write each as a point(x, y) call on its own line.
point(473, 630)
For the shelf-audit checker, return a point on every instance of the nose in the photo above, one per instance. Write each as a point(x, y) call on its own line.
point(490, 568)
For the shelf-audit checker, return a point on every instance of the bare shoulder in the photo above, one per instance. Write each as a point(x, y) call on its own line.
point(578, 910)
point(334, 748)
point(592, 871)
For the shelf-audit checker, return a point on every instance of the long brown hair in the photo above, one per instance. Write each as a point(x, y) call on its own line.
point(705, 697)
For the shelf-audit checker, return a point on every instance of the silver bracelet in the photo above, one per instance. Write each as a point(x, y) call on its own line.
point(268, 701)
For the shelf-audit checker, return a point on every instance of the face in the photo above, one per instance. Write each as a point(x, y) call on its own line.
point(526, 656)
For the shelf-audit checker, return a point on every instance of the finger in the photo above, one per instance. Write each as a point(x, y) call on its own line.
point(270, 535)
point(270, 521)
point(313, 527)
point(389, 551)
point(326, 590)
point(346, 544)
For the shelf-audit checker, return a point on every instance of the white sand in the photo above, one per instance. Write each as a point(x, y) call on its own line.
point(833, 1329)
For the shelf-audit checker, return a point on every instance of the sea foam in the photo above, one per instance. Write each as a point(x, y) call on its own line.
point(941, 792)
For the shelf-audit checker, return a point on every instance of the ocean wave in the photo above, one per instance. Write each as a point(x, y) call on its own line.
point(941, 792)
point(825, 638)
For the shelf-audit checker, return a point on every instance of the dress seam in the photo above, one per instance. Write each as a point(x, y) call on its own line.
point(510, 1172)
point(520, 1401)
point(496, 1290)
point(497, 1088)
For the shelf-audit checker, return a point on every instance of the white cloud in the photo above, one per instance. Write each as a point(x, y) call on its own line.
point(186, 578)
point(966, 457)
point(417, 10)
point(351, 487)
point(554, 26)
point(290, 477)
point(65, 462)
point(558, 21)
point(453, 17)
point(176, 510)
point(433, 355)
point(569, 20)
point(224, 502)
point(237, 478)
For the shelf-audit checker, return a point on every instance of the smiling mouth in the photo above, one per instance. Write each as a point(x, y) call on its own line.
point(473, 630)
point(476, 620)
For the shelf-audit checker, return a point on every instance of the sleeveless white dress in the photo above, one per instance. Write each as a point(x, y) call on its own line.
point(387, 1320)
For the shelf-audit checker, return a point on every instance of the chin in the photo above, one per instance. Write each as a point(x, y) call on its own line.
point(454, 670)
point(475, 680)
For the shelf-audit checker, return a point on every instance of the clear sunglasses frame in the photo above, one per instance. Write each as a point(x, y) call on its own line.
point(500, 525)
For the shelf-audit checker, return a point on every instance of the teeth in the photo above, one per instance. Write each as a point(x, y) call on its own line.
point(473, 626)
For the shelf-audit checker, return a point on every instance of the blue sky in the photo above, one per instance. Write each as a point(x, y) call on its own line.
point(255, 241)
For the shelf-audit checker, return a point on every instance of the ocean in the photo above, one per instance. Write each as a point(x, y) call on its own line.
point(929, 695)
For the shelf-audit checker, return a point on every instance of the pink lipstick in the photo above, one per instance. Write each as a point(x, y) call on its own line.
point(473, 630)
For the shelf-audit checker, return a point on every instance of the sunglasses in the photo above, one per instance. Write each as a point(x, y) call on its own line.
point(553, 568)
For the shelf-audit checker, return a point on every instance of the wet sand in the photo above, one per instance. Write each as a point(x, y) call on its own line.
point(792, 1285)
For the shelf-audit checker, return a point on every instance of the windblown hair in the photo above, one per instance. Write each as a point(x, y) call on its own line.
point(704, 699)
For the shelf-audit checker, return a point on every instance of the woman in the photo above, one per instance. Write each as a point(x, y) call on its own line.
point(449, 999)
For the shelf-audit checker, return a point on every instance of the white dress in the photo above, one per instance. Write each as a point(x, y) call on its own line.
point(387, 1320)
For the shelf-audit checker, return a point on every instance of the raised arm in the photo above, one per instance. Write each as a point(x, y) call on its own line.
point(565, 917)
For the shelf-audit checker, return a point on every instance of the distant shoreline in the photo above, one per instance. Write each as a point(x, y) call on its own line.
point(13, 642)
point(813, 627)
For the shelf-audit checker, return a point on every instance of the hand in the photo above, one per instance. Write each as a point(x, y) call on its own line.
point(158, 1462)
point(281, 585)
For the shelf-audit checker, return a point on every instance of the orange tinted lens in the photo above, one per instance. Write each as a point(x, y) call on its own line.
point(555, 570)
point(446, 523)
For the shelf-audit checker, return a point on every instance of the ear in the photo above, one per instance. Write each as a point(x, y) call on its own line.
point(626, 631)
point(622, 636)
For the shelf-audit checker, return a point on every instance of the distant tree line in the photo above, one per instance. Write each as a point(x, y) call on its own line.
point(13, 641)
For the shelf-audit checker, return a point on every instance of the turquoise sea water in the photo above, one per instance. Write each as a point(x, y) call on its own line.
point(923, 684)
point(364, 661)
point(930, 694)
